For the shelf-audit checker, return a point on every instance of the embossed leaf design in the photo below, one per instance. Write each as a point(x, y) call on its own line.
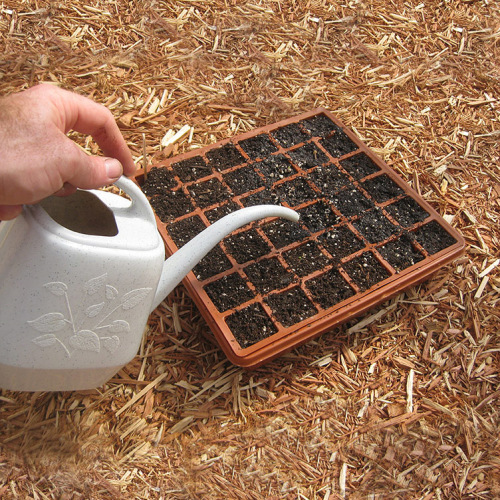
point(93, 311)
point(131, 299)
point(45, 340)
point(111, 343)
point(85, 340)
point(111, 292)
point(119, 326)
point(48, 323)
point(57, 288)
point(95, 284)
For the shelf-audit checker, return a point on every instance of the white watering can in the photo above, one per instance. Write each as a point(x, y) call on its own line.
point(79, 276)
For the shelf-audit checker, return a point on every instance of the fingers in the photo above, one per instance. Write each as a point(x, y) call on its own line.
point(90, 172)
point(8, 212)
point(74, 112)
point(88, 117)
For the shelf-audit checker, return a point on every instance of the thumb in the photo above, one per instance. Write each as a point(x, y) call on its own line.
point(89, 172)
point(8, 212)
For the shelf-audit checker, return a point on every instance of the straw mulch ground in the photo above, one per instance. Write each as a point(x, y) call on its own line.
point(403, 403)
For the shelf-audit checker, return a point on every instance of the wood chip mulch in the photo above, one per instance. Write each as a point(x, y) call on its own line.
point(401, 403)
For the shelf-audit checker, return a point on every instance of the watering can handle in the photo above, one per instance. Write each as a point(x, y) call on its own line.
point(140, 206)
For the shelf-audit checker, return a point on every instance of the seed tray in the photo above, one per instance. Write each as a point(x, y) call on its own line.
point(363, 235)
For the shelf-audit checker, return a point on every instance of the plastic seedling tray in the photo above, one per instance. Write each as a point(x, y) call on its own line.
point(363, 236)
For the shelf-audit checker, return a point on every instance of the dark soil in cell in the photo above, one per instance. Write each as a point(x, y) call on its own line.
point(433, 237)
point(382, 188)
point(338, 144)
point(283, 232)
point(351, 202)
point(400, 253)
point(329, 179)
point(341, 242)
point(329, 289)
point(160, 181)
point(263, 197)
point(290, 135)
point(259, 146)
point(305, 259)
point(228, 292)
point(243, 180)
point(209, 193)
point(407, 212)
point(213, 263)
point(217, 213)
point(318, 216)
point(359, 166)
point(375, 226)
point(366, 271)
point(184, 230)
point(308, 156)
point(276, 167)
point(268, 275)
point(295, 192)
point(246, 246)
point(225, 157)
point(319, 126)
point(171, 205)
point(191, 169)
point(291, 306)
point(250, 325)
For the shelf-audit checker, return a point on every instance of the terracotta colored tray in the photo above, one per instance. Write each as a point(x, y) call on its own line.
point(364, 234)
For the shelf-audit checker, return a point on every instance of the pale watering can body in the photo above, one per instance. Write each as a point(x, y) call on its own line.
point(77, 286)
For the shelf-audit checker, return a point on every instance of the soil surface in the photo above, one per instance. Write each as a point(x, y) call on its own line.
point(351, 202)
point(308, 156)
point(243, 180)
point(329, 289)
point(171, 205)
point(338, 144)
point(295, 192)
point(406, 212)
point(224, 157)
point(359, 166)
point(382, 188)
point(306, 258)
point(341, 242)
point(160, 181)
point(191, 169)
point(275, 167)
point(250, 325)
point(290, 135)
point(375, 226)
point(366, 271)
point(319, 126)
point(268, 275)
point(259, 146)
point(209, 193)
point(284, 232)
point(433, 237)
point(401, 253)
point(291, 306)
point(318, 216)
point(247, 245)
point(228, 292)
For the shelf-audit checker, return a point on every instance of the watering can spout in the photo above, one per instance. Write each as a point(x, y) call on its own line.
point(184, 259)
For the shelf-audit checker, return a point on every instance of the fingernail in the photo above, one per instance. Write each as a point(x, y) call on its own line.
point(113, 168)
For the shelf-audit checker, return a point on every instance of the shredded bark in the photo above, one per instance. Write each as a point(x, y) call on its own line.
point(401, 403)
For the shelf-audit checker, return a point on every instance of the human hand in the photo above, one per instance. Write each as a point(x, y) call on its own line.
point(38, 159)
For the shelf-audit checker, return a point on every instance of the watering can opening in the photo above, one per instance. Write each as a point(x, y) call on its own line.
point(81, 212)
